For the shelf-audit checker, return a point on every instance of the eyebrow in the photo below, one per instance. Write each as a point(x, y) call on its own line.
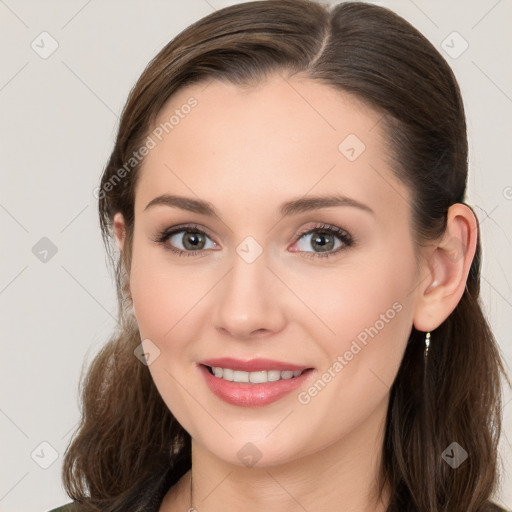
point(293, 207)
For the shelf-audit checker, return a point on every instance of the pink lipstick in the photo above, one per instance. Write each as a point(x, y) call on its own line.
point(252, 383)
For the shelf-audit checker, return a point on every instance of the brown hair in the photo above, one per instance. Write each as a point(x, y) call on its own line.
point(128, 437)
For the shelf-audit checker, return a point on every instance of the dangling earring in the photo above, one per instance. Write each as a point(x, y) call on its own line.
point(427, 343)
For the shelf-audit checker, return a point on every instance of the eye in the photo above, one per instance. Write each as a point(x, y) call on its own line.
point(326, 241)
point(186, 240)
point(190, 240)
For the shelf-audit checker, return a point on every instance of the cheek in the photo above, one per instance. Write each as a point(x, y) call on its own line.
point(162, 293)
point(165, 301)
point(367, 307)
point(370, 311)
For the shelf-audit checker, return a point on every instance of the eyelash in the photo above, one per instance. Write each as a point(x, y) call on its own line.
point(324, 229)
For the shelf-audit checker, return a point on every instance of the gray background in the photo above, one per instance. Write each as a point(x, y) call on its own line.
point(58, 118)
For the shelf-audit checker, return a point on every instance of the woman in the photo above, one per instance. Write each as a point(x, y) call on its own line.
point(298, 281)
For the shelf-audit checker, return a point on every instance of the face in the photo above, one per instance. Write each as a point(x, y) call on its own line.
point(325, 287)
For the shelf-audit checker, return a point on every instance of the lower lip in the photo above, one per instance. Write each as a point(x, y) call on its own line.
point(245, 394)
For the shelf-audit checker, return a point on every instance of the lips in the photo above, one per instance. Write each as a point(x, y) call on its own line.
point(253, 365)
point(253, 394)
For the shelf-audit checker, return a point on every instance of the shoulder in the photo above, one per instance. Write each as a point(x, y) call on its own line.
point(72, 507)
point(68, 507)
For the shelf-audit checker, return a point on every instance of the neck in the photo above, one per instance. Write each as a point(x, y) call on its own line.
point(344, 476)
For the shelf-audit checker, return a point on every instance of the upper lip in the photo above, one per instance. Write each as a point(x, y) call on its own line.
point(252, 365)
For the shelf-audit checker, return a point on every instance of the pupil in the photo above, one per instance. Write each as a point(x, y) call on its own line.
point(193, 241)
point(325, 246)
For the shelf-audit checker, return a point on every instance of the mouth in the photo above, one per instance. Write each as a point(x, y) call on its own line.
point(253, 383)
point(257, 377)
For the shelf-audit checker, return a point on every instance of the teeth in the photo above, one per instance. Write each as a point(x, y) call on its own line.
point(254, 377)
point(227, 374)
point(273, 375)
point(239, 376)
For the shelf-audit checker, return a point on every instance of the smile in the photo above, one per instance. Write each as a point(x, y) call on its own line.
point(253, 383)
point(258, 377)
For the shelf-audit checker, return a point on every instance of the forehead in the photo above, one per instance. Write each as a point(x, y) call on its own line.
point(283, 138)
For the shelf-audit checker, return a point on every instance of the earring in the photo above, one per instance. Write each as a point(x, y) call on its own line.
point(427, 343)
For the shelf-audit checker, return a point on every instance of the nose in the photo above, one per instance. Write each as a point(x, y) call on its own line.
point(249, 300)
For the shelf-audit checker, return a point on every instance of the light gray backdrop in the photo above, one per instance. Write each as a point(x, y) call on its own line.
point(66, 70)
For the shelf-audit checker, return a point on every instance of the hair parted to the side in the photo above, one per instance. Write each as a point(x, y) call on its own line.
point(127, 436)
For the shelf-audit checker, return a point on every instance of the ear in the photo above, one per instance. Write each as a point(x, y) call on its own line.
point(447, 267)
point(119, 230)
point(120, 235)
